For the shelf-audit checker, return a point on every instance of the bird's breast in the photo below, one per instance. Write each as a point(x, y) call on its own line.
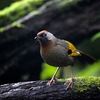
point(56, 56)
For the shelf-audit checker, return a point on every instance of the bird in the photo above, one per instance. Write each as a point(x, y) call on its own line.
point(60, 53)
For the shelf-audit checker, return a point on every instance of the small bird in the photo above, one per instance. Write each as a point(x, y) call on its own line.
point(60, 53)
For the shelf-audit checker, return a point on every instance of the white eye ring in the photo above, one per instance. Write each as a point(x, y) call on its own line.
point(44, 34)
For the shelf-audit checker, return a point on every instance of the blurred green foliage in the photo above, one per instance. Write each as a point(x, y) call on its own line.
point(47, 71)
point(90, 70)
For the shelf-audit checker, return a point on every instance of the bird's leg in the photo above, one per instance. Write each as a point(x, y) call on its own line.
point(53, 79)
point(70, 84)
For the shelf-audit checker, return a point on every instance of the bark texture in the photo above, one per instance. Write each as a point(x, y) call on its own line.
point(38, 90)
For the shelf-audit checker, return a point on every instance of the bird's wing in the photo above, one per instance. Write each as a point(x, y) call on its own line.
point(81, 56)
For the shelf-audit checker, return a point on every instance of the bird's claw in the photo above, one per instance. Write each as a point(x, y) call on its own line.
point(70, 84)
point(51, 81)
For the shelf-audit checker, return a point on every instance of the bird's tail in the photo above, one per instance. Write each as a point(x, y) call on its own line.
point(85, 58)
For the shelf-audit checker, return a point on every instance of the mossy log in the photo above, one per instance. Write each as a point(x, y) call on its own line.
point(17, 10)
point(73, 21)
point(83, 88)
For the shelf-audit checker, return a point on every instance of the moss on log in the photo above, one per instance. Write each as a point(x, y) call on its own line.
point(18, 10)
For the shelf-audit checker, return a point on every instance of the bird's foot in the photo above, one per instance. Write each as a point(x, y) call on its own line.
point(53, 80)
point(70, 83)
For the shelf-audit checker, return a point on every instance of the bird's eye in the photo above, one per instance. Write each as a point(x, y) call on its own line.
point(69, 51)
point(44, 34)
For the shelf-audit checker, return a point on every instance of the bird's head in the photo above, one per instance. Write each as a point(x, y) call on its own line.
point(44, 36)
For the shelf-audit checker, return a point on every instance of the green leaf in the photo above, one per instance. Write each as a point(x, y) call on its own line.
point(95, 37)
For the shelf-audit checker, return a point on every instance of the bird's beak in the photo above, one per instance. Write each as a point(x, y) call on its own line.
point(37, 38)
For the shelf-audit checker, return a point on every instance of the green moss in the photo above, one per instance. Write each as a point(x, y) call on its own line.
point(18, 25)
point(64, 2)
point(2, 29)
point(17, 10)
point(82, 84)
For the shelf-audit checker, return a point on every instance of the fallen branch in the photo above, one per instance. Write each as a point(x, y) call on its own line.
point(83, 88)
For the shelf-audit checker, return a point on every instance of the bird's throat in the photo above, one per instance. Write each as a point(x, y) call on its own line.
point(45, 47)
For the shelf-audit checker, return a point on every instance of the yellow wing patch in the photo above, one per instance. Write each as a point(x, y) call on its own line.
point(74, 51)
